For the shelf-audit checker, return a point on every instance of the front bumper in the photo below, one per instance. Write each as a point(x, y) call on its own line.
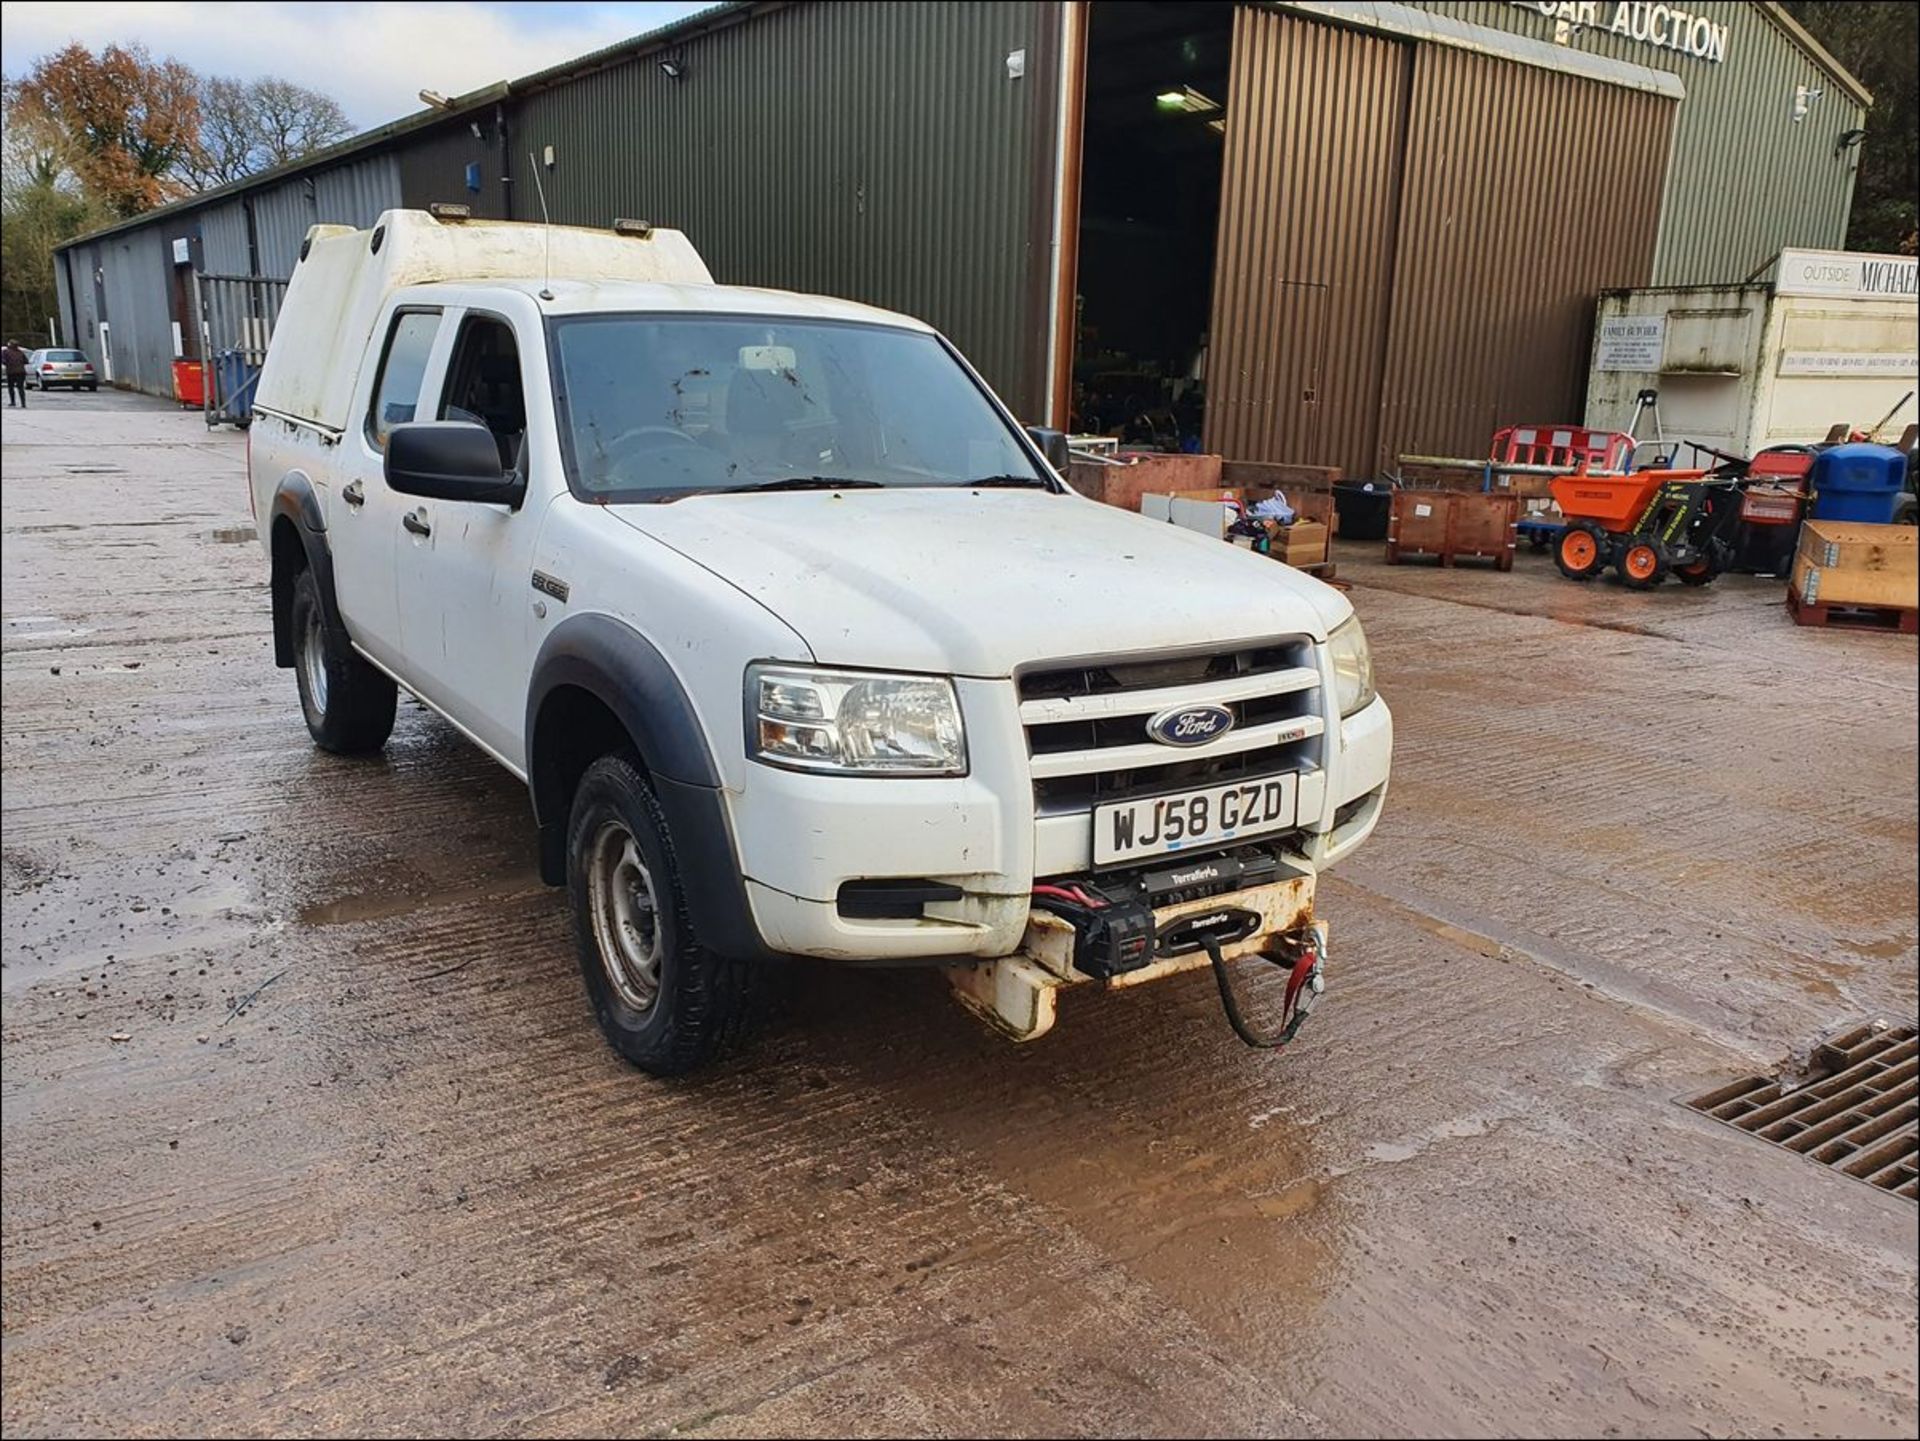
point(803, 836)
point(1016, 994)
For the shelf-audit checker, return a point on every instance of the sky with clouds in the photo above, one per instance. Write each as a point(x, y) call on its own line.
point(373, 58)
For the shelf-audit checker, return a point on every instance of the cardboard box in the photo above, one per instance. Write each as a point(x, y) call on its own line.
point(1302, 543)
point(1849, 562)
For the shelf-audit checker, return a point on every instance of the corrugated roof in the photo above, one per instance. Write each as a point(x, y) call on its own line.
point(432, 115)
point(1799, 35)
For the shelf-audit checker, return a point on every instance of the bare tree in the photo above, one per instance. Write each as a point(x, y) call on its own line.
point(247, 126)
point(43, 202)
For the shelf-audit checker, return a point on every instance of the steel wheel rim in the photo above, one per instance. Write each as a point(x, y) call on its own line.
point(626, 916)
point(1579, 548)
point(1640, 562)
point(313, 662)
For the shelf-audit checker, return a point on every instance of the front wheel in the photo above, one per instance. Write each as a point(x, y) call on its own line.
point(1642, 564)
point(348, 704)
point(664, 1002)
point(1581, 551)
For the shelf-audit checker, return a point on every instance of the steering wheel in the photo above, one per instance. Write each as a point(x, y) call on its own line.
point(629, 439)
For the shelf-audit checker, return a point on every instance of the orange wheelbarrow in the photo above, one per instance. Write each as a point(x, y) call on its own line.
point(1647, 524)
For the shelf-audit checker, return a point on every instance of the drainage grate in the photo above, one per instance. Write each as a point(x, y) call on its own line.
point(1856, 1110)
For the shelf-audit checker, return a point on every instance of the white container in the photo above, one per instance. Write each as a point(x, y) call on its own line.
point(1829, 340)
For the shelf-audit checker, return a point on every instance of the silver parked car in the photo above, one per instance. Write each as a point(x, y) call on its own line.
point(71, 368)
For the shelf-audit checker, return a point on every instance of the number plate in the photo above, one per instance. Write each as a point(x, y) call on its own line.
point(1129, 830)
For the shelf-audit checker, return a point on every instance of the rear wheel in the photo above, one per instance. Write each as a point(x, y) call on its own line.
point(1581, 551)
point(1642, 564)
point(1708, 568)
point(663, 1001)
point(348, 704)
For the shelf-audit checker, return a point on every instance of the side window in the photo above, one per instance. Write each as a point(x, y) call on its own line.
point(397, 392)
point(483, 385)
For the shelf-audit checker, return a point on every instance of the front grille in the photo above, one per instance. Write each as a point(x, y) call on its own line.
point(1087, 740)
point(1104, 677)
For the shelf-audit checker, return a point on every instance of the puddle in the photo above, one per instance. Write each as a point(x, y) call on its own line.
point(1888, 950)
point(1464, 1129)
point(1295, 1200)
point(384, 905)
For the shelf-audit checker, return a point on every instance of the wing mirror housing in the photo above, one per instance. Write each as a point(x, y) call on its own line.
point(450, 460)
point(1052, 444)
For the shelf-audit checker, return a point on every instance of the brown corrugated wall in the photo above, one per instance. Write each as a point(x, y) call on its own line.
point(1411, 241)
point(1527, 192)
point(1315, 130)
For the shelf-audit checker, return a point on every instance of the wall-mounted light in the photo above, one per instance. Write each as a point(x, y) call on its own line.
point(1803, 98)
point(478, 133)
point(1187, 99)
point(1848, 140)
point(673, 67)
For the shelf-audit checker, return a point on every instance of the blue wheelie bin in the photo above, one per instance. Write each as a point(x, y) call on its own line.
point(1858, 482)
point(237, 377)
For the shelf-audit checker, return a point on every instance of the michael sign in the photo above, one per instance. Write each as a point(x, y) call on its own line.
point(1667, 26)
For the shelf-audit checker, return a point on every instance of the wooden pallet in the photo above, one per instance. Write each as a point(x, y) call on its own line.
point(1398, 555)
point(1888, 619)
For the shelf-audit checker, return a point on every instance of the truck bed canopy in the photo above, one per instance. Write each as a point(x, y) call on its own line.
point(345, 276)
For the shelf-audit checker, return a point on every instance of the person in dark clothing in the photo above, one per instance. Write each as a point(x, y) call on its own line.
point(16, 360)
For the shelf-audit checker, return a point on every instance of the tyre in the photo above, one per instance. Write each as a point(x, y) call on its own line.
point(663, 1001)
point(348, 704)
point(1581, 551)
point(1707, 569)
point(1642, 564)
point(92, 386)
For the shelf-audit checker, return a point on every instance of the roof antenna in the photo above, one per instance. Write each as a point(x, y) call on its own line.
point(546, 281)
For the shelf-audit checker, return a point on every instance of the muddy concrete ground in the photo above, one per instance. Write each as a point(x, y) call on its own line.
point(1637, 845)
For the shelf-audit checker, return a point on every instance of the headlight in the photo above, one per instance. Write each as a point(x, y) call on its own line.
point(1352, 667)
point(854, 722)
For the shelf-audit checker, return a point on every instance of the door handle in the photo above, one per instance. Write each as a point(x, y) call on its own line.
point(355, 494)
point(416, 521)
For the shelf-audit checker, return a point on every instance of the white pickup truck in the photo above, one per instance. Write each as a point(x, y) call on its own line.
point(797, 638)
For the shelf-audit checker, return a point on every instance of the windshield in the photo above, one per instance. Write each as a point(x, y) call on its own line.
point(655, 407)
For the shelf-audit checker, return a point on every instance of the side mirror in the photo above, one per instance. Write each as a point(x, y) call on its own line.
point(1053, 445)
point(450, 460)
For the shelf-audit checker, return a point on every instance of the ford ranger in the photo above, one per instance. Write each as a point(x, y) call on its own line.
point(797, 638)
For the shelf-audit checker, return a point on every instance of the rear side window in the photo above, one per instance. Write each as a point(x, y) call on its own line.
point(397, 392)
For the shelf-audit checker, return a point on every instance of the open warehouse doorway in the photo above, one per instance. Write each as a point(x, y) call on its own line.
point(1318, 241)
point(1154, 138)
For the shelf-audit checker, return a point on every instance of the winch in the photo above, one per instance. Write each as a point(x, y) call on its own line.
point(1124, 928)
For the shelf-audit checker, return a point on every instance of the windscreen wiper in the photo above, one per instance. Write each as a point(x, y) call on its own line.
point(1007, 482)
point(808, 482)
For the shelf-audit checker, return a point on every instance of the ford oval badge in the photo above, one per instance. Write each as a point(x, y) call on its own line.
point(1190, 725)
